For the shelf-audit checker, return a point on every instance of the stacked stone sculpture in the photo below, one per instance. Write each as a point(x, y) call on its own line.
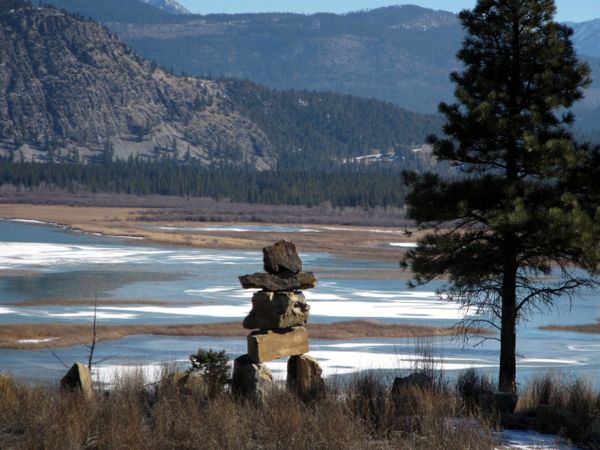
point(279, 312)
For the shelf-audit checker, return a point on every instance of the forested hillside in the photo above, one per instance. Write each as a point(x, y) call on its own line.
point(313, 128)
point(401, 54)
point(71, 92)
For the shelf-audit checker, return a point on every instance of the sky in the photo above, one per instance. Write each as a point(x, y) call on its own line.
point(568, 10)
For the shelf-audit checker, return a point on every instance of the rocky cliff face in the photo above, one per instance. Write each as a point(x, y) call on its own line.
point(69, 90)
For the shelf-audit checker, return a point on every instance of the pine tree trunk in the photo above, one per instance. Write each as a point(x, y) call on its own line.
point(508, 334)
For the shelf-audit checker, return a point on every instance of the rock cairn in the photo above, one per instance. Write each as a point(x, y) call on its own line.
point(279, 312)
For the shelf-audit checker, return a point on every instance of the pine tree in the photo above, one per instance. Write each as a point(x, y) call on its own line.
point(515, 232)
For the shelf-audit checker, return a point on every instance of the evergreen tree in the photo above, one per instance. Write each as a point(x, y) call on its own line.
point(517, 231)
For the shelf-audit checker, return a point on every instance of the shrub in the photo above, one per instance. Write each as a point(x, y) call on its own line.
point(470, 385)
point(214, 368)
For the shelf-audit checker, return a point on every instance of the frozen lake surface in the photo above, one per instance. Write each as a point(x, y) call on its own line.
point(184, 285)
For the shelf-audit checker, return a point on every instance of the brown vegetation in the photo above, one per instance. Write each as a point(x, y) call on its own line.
point(134, 415)
point(588, 328)
point(351, 241)
point(564, 405)
point(22, 336)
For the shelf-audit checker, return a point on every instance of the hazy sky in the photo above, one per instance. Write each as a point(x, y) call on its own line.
point(568, 10)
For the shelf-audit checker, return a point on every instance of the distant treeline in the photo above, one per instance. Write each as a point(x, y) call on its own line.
point(352, 185)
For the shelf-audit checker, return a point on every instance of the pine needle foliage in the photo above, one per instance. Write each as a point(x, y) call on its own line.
point(520, 229)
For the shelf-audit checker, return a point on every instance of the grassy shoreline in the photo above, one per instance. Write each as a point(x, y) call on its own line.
point(592, 328)
point(36, 336)
point(350, 241)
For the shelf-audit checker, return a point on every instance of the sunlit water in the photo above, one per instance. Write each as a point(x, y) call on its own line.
point(201, 286)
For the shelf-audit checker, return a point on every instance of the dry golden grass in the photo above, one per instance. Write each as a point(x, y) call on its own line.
point(64, 335)
point(587, 328)
point(348, 241)
point(134, 416)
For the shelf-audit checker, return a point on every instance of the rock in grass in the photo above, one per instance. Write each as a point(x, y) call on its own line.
point(251, 379)
point(281, 257)
point(284, 281)
point(78, 379)
point(304, 377)
point(273, 310)
point(267, 345)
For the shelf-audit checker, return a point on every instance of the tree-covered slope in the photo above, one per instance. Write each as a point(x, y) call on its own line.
point(70, 91)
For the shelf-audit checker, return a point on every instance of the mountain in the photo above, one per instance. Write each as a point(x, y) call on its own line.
point(170, 6)
point(587, 37)
point(118, 11)
point(401, 54)
point(69, 90)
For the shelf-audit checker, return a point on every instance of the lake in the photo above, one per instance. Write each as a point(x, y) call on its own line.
point(185, 285)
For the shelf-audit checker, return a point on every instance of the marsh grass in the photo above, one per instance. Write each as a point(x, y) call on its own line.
point(136, 415)
point(20, 336)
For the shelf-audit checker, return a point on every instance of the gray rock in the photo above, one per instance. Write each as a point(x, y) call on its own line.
point(274, 310)
point(304, 377)
point(285, 281)
point(251, 379)
point(282, 257)
point(78, 379)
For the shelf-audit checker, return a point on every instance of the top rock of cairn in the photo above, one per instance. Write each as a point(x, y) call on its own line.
point(284, 271)
point(282, 257)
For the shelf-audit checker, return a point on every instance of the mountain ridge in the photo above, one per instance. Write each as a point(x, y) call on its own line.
point(70, 91)
point(402, 54)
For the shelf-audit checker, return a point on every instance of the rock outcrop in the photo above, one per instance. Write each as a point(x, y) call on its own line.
point(71, 91)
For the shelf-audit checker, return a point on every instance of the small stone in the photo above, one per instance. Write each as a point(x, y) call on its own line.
point(251, 379)
point(78, 379)
point(304, 377)
point(284, 281)
point(274, 310)
point(281, 257)
point(268, 345)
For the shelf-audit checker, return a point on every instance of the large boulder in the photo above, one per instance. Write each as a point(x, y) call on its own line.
point(267, 345)
point(78, 379)
point(251, 379)
point(281, 257)
point(284, 281)
point(304, 377)
point(274, 310)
